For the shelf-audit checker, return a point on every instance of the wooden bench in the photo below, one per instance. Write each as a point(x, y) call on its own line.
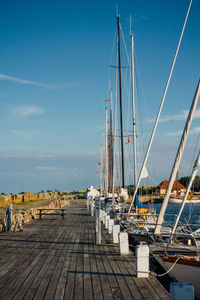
point(56, 212)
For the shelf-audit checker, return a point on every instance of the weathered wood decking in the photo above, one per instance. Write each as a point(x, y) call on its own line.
point(58, 259)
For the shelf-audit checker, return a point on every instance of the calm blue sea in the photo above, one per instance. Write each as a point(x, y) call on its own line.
point(190, 214)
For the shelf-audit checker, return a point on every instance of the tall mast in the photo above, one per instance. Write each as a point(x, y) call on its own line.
point(101, 169)
point(106, 155)
point(177, 159)
point(110, 148)
point(193, 175)
point(160, 109)
point(120, 95)
point(133, 108)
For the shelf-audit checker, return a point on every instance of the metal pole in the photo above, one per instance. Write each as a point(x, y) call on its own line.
point(133, 107)
point(106, 155)
point(101, 169)
point(177, 159)
point(160, 109)
point(120, 95)
point(99, 222)
point(194, 173)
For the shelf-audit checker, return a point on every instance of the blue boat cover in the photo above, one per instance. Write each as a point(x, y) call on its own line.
point(139, 204)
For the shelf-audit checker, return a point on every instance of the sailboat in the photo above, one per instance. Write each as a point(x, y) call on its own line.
point(192, 199)
point(186, 267)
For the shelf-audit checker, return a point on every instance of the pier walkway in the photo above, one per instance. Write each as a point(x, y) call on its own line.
point(58, 259)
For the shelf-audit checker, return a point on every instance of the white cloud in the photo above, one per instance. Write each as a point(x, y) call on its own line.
point(47, 155)
point(2, 95)
point(23, 133)
point(179, 117)
point(36, 83)
point(43, 168)
point(27, 110)
point(144, 17)
point(193, 131)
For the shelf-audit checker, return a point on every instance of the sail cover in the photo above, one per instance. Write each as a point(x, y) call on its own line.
point(139, 204)
point(144, 173)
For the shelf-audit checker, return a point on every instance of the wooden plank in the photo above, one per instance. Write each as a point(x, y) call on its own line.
point(78, 283)
point(13, 274)
point(87, 280)
point(96, 282)
point(39, 267)
point(60, 288)
point(107, 292)
point(56, 274)
point(58, 259)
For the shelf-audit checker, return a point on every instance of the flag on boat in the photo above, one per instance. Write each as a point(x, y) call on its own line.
point(107, 100)
point(128, 140)
point(144, 173)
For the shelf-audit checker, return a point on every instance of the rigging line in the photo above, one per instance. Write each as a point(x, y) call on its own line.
point(125, 45)
point(111, 57)
point(127, 110)
point(161, 105)
point(191, 209)
point(194, 152)
point(139, 80)
point(139, 111)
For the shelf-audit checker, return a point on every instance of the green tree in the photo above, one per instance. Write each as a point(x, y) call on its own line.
point(196, 183)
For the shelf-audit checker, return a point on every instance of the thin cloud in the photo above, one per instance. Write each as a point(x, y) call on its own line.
point(144, 17)
point(36, 83)
point(27, 110)
point(23, 133)
point(48, 155)
point(178, 117)
point(2, 95)
point(42, 168)
point(193, 131)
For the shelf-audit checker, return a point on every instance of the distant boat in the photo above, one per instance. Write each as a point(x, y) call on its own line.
point(189, 200)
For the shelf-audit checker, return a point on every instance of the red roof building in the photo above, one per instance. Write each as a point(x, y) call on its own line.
point(177, 188)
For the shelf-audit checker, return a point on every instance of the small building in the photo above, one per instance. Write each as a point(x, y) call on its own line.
point(177, 189)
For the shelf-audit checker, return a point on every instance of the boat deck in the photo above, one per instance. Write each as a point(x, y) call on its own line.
point(58, 259)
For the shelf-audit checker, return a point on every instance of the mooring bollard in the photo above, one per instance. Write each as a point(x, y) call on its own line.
point(123, 243)
point(107, 220)
point(142, 265)
point(116, 230)
point(181, 290)
point(110, 226)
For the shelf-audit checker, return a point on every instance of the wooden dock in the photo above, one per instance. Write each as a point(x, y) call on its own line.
point(58, 259)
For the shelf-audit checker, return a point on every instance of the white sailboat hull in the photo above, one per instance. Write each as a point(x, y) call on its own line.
point(179, 200)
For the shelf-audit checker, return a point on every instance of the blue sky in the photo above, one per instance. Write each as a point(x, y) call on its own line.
point(55, 75)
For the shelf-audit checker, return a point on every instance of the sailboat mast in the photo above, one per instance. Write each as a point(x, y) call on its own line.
point(177, 159)
point(101, 169)
point(193, 175)
point(160, 109)
point(133, 108)
point(110, 149)
point(120, 96)
point(106, 154)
